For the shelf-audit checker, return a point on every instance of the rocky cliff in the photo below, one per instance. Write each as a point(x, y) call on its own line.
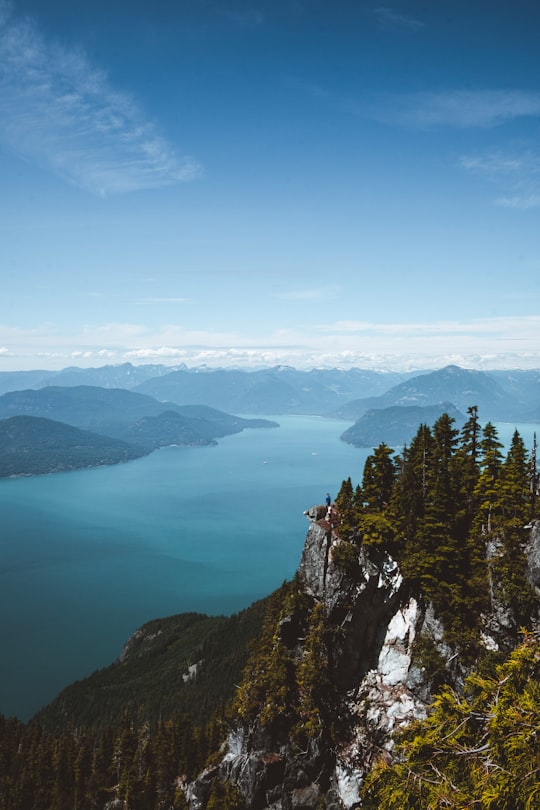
point(353, 654)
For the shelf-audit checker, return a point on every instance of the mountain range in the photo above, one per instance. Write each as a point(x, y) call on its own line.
point(347, 394)
point(499, 396)
point(281, 389)
point(151, 406)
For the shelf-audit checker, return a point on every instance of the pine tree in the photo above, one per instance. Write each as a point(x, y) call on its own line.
point(345, 505)
point(378, 479)
point(485, 492)
point(313, 678)
point(515, 504)
point(533, 478)
point(467, 469)
point(410, 489)
point(515, 495)
point(441, 484)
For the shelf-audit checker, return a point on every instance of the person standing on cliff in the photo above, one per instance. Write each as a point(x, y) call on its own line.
point(328, 501)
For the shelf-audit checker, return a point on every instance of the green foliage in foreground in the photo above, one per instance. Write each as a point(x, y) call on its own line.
point(480, 749)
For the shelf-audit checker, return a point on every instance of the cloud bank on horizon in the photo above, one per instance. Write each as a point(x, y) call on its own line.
point(485, 344)
point(365, 190)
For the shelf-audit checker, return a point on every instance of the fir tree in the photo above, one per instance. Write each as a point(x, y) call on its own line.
point(345, 504)
point(441, 483)
point(515, 495)
point(485, 492)
point(467, 469)
point(378, 479)
point(409, 493)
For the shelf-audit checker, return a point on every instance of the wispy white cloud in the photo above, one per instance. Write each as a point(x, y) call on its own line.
point(456, 108)
point(516, 173)
point(521, 201)
point(500, 328)
point(61, 112)
point(310, 293)
point(390, 18)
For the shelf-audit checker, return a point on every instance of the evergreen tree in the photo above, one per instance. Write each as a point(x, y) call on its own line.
point(313, 678)
point(485, 492)
point(378, 479)
point(441, 484)
point(467, 469)
point(533, 478)
point(410, 489)
point(515, 495)
point(345, 504)
point(515, 507)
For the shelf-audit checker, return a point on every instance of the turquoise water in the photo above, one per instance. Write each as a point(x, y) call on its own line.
point(87, 557)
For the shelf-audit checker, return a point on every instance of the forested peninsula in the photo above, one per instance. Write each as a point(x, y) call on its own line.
point(57, 429)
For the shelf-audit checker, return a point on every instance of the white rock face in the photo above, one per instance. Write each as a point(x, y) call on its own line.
point(348, 784)
point(395, 658)
point(533, 556)
point(385, 701)
point(191, 673)
point(235, 743)
point(388, 696)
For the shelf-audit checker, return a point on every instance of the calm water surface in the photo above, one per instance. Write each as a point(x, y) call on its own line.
point(87, 557)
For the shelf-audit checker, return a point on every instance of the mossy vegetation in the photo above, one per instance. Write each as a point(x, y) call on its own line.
point(345, 556)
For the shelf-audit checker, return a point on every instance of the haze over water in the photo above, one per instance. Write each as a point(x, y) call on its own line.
point(89, 556)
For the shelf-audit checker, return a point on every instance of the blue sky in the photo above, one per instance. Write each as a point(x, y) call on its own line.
point(235, 183)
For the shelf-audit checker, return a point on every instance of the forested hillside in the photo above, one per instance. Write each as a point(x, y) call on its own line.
point(185, 664)
point(59, 429)
point(32, 445)
point(134, 730)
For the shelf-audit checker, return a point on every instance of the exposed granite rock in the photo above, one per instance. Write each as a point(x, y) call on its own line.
point(372, 622)
point(533, 556)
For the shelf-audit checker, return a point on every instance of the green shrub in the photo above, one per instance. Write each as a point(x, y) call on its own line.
point(344, 555)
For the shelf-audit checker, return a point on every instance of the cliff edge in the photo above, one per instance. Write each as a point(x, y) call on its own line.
point(349, 654)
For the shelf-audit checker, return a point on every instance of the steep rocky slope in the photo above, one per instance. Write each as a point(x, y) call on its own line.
point(349, 656)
